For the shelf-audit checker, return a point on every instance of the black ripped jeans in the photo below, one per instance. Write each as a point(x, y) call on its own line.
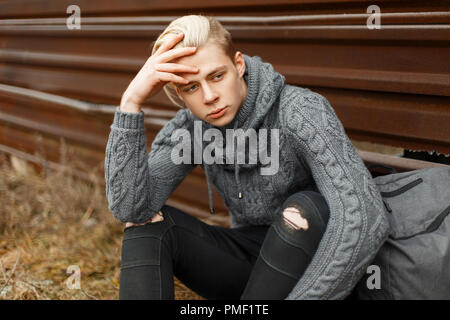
point(251, 262)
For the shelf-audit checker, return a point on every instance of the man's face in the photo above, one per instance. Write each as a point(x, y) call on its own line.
point(219, 84)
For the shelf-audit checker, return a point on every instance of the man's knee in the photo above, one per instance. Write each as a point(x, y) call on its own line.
point(306, 210)
point(303, 220)
point(293, 217)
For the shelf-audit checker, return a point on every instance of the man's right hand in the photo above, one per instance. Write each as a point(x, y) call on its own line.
point(155, 73)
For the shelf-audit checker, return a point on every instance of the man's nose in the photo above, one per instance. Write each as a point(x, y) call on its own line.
point(209, 95)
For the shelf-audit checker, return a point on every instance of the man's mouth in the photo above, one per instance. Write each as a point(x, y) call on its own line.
point(217, 113)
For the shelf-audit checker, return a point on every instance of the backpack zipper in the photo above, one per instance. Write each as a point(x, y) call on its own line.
point(401, 190)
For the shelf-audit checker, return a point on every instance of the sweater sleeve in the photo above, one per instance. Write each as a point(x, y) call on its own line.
point(358, 224)
point(139, 183)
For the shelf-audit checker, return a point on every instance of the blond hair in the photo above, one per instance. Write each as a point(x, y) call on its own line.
point(198, 30)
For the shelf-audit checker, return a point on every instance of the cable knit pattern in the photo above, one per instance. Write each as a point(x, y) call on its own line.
point(137, 183)
point(315, 154)
point(347, 247)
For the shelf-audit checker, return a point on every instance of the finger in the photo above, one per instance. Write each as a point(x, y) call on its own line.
point(166, 45)
point(170, 77)
point(175, 67)
point(169, 43)
point(176, 53)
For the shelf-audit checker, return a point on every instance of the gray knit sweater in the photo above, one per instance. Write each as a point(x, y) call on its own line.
point(315, 154)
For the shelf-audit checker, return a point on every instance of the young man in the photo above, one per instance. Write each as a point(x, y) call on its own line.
point(304, 225)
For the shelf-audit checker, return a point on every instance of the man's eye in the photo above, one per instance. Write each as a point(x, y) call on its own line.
point(220, 74)
point(189, 88)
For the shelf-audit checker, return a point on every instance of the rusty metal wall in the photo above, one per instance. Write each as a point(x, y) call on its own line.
point(388, 85)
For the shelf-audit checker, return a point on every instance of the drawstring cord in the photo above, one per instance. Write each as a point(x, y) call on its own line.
point(210, 196)
point(236, 176)
point(236, 164)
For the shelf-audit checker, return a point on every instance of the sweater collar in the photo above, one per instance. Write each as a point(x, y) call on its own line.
point(264, 85)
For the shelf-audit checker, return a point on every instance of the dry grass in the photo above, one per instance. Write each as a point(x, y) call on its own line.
point(50, 221)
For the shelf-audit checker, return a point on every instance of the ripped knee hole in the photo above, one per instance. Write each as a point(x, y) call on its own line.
point(292, 216)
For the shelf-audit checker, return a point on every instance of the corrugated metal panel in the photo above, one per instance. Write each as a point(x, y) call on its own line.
point(390, 85)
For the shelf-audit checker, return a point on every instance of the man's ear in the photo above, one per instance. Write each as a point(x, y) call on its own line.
point(239, 63)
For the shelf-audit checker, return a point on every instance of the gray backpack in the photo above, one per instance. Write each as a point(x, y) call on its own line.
point(414, 262)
